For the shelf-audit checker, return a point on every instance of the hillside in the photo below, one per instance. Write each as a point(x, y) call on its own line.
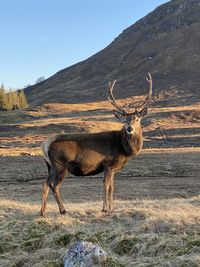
point(165, 43)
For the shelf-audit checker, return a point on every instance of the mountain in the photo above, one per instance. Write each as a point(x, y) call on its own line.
point(166, 43)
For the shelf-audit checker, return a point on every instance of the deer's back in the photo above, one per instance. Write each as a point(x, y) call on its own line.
point(85, 154)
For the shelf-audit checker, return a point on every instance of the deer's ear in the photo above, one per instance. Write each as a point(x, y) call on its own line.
point(143, 112)
point(119, 116)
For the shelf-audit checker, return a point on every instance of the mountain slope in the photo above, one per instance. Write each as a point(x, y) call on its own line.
point(165, 43)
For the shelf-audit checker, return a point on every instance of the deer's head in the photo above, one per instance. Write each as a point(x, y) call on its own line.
point(131, 120)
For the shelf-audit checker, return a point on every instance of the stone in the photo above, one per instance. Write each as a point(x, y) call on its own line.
point(84, 254)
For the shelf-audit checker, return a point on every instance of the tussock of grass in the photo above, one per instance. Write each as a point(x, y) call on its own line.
point(63, 240)
point(138, 233)
point(127, 245)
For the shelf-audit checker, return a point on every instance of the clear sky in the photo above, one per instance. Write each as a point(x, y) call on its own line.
point(40, 37)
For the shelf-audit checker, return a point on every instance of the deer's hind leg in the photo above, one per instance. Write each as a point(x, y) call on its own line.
point(46, 188)
point(55, 187)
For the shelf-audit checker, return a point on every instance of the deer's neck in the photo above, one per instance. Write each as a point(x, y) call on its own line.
point(132, 143)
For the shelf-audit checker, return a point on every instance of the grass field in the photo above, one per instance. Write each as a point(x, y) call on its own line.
point(142, 231)
point(156, 201)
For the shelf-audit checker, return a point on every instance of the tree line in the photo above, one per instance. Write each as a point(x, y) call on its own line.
point(10, 100)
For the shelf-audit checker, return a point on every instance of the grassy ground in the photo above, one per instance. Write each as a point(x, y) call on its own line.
point(155, 220)
point(139, 233)
point(157, 203)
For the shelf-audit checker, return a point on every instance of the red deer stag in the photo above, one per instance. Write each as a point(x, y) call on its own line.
point(92, 153)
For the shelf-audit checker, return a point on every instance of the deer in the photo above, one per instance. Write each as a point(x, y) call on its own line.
point(84, 154)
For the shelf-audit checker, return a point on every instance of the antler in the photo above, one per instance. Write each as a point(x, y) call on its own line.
point(112, 99)
point(137, 108)
point(148, 98)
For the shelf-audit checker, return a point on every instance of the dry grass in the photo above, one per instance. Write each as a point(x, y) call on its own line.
point(138, 233)
point(160, 228)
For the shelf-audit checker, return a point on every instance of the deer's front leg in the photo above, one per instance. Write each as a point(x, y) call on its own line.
point(108, 190)
point(111, 189)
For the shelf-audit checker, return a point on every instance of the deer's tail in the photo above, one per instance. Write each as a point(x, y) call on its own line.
point(45, 149)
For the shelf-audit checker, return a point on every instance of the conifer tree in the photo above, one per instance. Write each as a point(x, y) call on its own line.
point(15, 100)
point(22, 99)
point(9, 100)
point(3, 98)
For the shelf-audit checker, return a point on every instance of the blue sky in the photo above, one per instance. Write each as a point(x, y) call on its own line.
point(40, 37)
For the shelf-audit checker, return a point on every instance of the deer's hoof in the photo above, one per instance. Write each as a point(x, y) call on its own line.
point(104, 210)
point(107, 210)
point(62, 212)
point(43, 214)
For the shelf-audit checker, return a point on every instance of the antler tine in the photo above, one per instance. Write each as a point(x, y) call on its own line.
point(148, 98)
point(112, 99)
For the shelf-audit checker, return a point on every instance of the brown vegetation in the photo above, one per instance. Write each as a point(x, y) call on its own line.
point(156, 218)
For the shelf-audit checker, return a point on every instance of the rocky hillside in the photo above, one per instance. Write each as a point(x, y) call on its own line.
point(165, 43)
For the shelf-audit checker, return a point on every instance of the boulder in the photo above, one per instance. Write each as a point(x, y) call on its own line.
point(84, 254)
